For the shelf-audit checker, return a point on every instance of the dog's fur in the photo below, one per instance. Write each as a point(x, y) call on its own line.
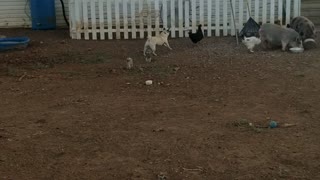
point(251, 42)
point(161, 39)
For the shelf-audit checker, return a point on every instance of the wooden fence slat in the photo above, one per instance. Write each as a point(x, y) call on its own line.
point(125, 18)
point(101, 19)
point(193, 16)
point(225, 18)
point(201, 12)
point(109, 18)
point(256, 11)
point(173, 22)
point(241, 9)
point(288, 10)
point(296, 8)
point(217, 18)
point(264, 11)
point(272, 12)
point(248, 9)
point(280, 12)
point(85, 19)
point(78, 10)
point(186, 18)
point(117, 18)
point(165, 13)
point(157, 16)
point(73, 30)
point(209, 30)
point(93, 19)
point(141, 26)
point(133, 19)
point(233, 32)
point(149, 20)
point(180, 9)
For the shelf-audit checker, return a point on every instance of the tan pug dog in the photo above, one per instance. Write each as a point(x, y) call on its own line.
point(161, 39)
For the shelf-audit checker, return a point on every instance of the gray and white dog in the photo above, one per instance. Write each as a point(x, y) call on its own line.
point(306, 30)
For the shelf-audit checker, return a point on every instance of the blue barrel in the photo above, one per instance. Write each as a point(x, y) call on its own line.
point(43, 14)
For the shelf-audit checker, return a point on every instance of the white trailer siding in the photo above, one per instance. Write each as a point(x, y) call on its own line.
point(16, 13)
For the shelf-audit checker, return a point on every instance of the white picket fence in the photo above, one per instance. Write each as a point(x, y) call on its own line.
point(132, 19)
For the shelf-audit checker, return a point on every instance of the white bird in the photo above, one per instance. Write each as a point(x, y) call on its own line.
point(251, 42)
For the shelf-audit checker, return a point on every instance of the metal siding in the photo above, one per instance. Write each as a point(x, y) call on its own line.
point(16, 13)
point(311, 9)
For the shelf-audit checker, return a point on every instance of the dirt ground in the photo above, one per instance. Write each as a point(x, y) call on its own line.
point(70, 110)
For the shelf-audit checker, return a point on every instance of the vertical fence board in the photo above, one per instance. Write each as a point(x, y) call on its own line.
point(117, 18)
point(209, 31)
point(296, 8)
point(101, 19)
point(233, 32)
point(241, 14)
point(186, 18)
point(217, 18)
point(201, 12)
point(172, 17)
point(193, 15)
point(85, 19)
point(288, 9)
point(109, 13)
point(248, 8)
point(256, 11)
point(272, 12)
point(141, 26)
point(280, 6)
point(125, 18)
point(264, 11)
point(225, 18)
point(93, 19)
point(149, 18)
point(165, 13)
point(133, 19)
point(72, 28)
point(180, 9)
point(157, 16)
point(78, 18)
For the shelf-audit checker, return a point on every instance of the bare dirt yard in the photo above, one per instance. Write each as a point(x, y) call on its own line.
point(70, 110)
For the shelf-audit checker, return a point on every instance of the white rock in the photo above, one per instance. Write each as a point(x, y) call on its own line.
point(149, 82)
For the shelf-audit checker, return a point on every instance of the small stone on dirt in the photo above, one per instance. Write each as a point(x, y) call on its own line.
point(158, 130)
point(162, 176)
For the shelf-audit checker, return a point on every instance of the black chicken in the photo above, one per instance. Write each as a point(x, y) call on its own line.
point(198, 36)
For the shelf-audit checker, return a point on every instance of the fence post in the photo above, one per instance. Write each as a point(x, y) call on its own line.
point(173, 19)
point(193, 15)
point(133, 19)
point(141, 27)
point(280, 11)
point(85, 19)
point(225, 18)
point(186, 18)
point(101, 19)
point(93, 20)
point(157, 16)
point(272, 12)
point(288, 11)
point(217, 18)
point(180, 11)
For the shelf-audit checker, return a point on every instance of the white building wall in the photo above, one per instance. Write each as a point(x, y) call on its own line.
point(16, 13)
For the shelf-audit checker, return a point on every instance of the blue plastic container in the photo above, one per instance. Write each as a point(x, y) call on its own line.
point(43, 14)
point(13, 43)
